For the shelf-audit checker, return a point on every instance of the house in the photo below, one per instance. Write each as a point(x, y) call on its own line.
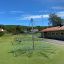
point(53, 32)
point(1, 30)
point(34, 30)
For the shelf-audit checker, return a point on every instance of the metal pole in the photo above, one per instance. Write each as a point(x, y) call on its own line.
point(32, 33)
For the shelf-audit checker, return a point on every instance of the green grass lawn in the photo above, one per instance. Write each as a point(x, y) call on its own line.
point(44, 53)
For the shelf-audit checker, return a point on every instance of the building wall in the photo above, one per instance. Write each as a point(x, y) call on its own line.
point(54, 35)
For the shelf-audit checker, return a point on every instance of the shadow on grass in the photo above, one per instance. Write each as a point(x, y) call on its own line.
point(30, 52)
point(19, 52)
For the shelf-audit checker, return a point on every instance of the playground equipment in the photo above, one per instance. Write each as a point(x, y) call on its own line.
point(19, 41)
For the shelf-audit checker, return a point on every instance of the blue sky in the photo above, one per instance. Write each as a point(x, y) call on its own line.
point(19, 12)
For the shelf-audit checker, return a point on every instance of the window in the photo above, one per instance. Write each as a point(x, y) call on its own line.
point(62, 33)
point(56, 33)
point(52, 33)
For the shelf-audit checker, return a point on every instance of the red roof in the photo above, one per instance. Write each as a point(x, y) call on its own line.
point(53, 29)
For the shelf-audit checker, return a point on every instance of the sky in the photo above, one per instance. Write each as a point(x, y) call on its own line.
point(20, 12)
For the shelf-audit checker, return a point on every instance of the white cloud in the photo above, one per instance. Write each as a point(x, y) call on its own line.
point(60, 14)
point(58, 7)
point(15, 12)
point(28, 17)
point(46, 16)
point(42, 11)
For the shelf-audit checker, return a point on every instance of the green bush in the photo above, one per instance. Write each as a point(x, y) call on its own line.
point(1, 33)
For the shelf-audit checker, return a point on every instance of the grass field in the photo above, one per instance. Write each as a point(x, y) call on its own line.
point(44, 53)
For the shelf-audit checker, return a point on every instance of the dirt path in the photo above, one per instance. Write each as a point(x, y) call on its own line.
point(54, 41)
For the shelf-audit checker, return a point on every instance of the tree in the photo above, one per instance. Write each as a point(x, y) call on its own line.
point(1, 34)
point(62, 21)
point(55, 20)
point(18, 29)
point(2, 26)
point(32, 32)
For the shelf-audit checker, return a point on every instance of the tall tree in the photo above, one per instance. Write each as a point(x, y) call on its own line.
point(55, 20)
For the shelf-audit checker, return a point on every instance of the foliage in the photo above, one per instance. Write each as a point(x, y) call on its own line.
point(17, 29)
point(1, 34)
point(55, 20)
point(40, 27)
